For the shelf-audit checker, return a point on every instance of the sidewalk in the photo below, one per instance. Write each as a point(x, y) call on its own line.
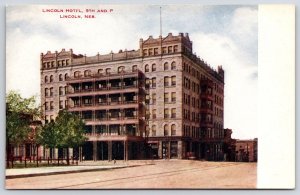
point(86, 166)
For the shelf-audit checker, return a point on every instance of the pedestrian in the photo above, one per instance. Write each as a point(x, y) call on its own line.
point(114, 161)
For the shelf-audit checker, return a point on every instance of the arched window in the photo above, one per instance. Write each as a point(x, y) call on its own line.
point(87, 73)
point(51, 78)
point(46, 79)
point(153, 130)
point(173, 66)
point(66, 76)
point(166, 66)
point(166, 130)
point(100, 71)
point(153, 67)
point(121, 69)
point(77, 74)
point(134, 68)
point(173, 129)
point(146, 68)
point(60, 77)
point(107, 71)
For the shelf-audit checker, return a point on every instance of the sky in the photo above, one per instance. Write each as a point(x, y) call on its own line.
point(221, 35)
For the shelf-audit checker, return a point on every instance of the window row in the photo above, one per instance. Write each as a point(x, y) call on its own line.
point(101, 71)
point(166, 66)
point(49, 105)
point(219, 100)
point(170, 81)
point(218, 89)
point(49, 92)
point(165, 50)
point(191, 131)
point(168, 130)
point(59, 63)
point(49, 118)
point(219, 112)
point(192, 116)
point(151, 83)
point(193, 71)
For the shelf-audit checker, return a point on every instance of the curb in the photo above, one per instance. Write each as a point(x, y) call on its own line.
point(66, 172)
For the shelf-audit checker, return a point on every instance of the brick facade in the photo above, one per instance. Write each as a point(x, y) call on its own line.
point(180, 102)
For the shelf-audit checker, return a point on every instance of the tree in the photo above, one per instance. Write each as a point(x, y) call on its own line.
point(72, 129)
point(47, 136)
point(66, 132)
point(19, 113)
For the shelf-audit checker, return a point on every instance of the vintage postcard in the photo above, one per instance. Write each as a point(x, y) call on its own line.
point(132, 97)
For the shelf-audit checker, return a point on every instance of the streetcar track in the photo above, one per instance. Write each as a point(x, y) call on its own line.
point(146, 177)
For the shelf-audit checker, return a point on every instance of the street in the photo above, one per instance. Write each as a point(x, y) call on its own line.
point(162, 174)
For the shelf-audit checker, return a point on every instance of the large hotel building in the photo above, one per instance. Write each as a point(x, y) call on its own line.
point(160, 101)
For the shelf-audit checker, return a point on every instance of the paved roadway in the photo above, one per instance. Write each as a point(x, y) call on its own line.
point(164, 174)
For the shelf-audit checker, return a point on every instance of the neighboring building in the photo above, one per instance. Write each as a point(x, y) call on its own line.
point(229, 145)
point(160, 100)
point(28, 148)
point(246, 150)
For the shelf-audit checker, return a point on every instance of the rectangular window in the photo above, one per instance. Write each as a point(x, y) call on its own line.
point(66, 103)
point(61, 106)
point(147, 99)
point(170, 49)
point(173, 113)
point(46, 92)
point(147, 82)
point(154, 82)
point(147, 114)
point(51, 118)
point(153, 98)
point(51, 91)
point(150, 52)
point(164, 50)
point(155, 51)
point(166, 113)
point(173, 96)
point(46, 106)
point(154, 113)
point(153, 130)
point(61, 91)
point(145, 52)
point(51, 105)
point(173, 80)
point(166, 81)
point(175, 48)
point(166, 97)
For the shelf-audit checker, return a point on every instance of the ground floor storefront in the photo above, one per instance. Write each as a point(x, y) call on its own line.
point(178, 148)
point(129, 150)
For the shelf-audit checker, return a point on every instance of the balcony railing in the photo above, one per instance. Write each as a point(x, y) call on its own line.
point(103, 104)
point(110, 118)
point(102, 75)
point(101, 89)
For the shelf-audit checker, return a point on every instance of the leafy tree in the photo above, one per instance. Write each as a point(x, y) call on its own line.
point(71, 128)
point(47, 135)
point(66, 132)
point(19, 113)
